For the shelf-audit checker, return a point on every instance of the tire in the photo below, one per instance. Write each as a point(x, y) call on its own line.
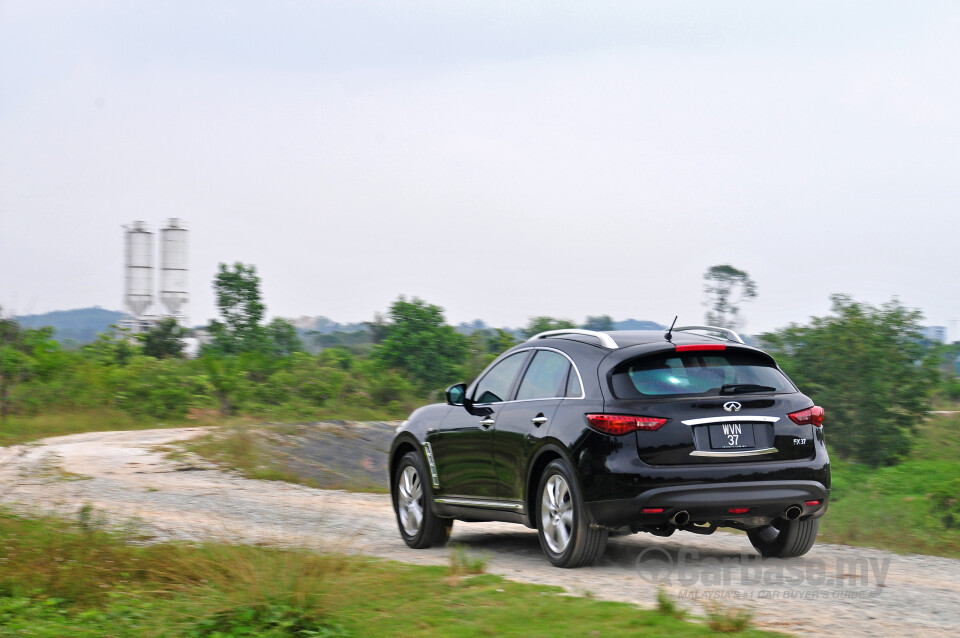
point(412, 498)
point(562, 523)
point(785, 539)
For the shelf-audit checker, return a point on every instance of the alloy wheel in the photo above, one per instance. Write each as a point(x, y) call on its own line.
point(556, 514)
point(410, 501)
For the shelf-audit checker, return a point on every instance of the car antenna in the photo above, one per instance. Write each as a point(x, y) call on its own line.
point(669, 334)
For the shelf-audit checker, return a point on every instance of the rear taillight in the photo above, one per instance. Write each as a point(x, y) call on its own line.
point(617, 424)
point(812, 415)
point(701, 346)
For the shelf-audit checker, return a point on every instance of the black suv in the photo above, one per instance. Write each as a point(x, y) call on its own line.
point(579, 433)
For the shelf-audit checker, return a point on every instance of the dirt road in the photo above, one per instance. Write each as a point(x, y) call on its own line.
point(835, 590)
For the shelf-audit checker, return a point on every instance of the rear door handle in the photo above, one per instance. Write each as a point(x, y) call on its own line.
point(487, 422)
point(538, 420)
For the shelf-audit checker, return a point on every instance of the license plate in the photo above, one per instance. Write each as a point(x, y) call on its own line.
point(725, 436)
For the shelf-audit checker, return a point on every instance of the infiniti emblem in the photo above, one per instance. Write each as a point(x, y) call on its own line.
point(732, 406)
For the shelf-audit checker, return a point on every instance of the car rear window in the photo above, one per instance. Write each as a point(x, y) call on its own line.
point(697, 373)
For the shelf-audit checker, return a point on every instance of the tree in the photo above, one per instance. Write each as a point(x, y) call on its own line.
point(22, 354)
point(238, 298)
point(227, 380)
point(25, 354)
point(165, 340)
point(378, 328)
point(726, 288)
point(150, 387)
point(500, 340)
point(282, 338)
point(869, 369)
point(537, 325)
point(419, 342)
point(113, 346)
point(15, 364)
point(603, 322)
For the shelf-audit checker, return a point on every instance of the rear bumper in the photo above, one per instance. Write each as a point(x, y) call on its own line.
point(711, 503)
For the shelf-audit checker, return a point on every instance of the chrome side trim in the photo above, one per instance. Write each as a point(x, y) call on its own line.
point(732, 419)
point(769, 450)
point(434, 477)
point(476, 502)
point(727, 332)
point(605, 340)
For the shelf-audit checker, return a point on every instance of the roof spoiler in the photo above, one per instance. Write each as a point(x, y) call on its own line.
point(726, 333)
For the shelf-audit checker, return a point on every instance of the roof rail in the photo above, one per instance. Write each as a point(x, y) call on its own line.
point(605, 340)
point(728, 334)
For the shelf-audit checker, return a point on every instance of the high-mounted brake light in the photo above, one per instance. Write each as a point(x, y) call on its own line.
point(812, 415)
point(701, 346)
point(618, 424)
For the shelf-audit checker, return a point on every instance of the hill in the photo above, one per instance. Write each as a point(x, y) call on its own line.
point(81, 325)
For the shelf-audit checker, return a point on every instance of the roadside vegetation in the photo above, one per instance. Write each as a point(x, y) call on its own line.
point(910, 507)
point(75, 578)
point(249, 368)
point(895, 467)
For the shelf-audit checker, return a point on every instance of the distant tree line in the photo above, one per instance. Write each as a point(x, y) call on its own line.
point(868, 366)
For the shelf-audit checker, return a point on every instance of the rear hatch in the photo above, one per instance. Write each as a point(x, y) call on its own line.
point(723, 404)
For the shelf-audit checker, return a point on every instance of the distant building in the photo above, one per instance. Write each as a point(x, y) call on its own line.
point(935, 333)
point(138, 325)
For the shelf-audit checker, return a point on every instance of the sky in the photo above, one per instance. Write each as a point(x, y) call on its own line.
point(502, 160)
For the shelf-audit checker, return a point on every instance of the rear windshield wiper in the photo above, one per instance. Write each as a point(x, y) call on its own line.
point(739, 388)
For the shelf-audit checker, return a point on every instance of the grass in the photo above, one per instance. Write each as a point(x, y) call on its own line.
point(463, 565)
point(23, 429)
point(911, 507)
point(667, 605)
point(77, 578)
point(726, 619)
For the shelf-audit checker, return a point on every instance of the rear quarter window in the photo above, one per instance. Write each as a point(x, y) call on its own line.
point(696, 374)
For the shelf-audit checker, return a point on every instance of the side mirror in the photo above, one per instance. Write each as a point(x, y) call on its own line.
point(455, 394)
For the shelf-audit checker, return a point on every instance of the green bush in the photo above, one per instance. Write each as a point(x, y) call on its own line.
point(151, 387)
point(869, 368)
point(951, 388)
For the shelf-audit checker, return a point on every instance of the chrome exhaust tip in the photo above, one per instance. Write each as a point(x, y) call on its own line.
point(681, 518)
point(793, 513)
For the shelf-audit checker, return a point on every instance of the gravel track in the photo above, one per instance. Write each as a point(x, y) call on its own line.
point(834, 590)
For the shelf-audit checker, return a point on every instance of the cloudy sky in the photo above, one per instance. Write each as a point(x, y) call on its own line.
point(499, 159)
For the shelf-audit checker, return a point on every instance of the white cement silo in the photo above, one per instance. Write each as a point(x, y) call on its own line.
point(173, 269)
point(138, 269)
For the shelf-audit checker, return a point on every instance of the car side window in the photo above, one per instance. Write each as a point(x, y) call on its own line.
point(546, 377)
point(574, 389)
point(495, 385)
